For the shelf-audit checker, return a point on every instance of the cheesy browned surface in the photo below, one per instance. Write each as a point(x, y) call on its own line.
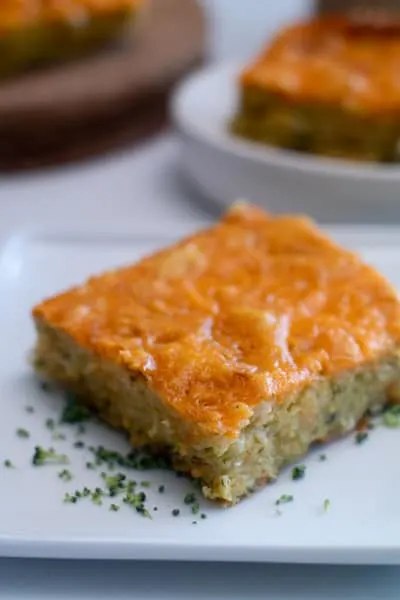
point(256, 307)
point(20, 13)
point(39, 33)
point(348, 63)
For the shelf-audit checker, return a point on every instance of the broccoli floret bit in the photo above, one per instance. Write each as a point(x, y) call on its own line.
point(42, 457)
point(74, 412)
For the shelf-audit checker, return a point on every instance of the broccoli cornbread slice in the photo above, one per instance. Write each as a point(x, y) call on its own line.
point(34, 32)
point(328, 86)
point(233, 350)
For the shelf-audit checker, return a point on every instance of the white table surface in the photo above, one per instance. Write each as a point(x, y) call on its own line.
point(47, 580)
point(143, 186)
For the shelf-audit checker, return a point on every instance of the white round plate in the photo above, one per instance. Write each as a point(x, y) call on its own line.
point(226, 168)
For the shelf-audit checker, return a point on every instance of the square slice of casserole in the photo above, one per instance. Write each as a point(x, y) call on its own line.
point(328, 86)
point(232, 351)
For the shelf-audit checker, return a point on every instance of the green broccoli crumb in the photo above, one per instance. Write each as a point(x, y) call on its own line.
point(58, 436)
point(190, 498)
point(41, 457)
point(79, 445)
point(50, 424)
point(391, 416)
point(284, 499)
point(298, 472)
point(135, 459)
point(74, 412)
point(195, 508)
point(65, 475)
point(137, 501)
point(70, 498)
point(361, 437)
point(97, 496)
point(23, 433)
point(114, 483)
point(144, 512)
point(131, 485)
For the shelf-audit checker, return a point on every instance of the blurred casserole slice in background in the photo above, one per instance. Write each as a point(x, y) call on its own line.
point(38, 32)
point(327, 86)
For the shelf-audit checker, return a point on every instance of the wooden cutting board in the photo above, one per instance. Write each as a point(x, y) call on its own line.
point(104, 101)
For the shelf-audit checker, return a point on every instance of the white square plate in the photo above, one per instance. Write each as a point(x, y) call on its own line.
point(223, 166)
point(362, 482)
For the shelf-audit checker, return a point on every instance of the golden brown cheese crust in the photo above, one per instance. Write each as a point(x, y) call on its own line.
point(351, 63)
point(254, 308)
point(19, 13)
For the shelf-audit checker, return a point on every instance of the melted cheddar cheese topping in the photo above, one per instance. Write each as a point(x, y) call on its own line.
point(19, 13)
point(349, 63)
point(252, 309)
